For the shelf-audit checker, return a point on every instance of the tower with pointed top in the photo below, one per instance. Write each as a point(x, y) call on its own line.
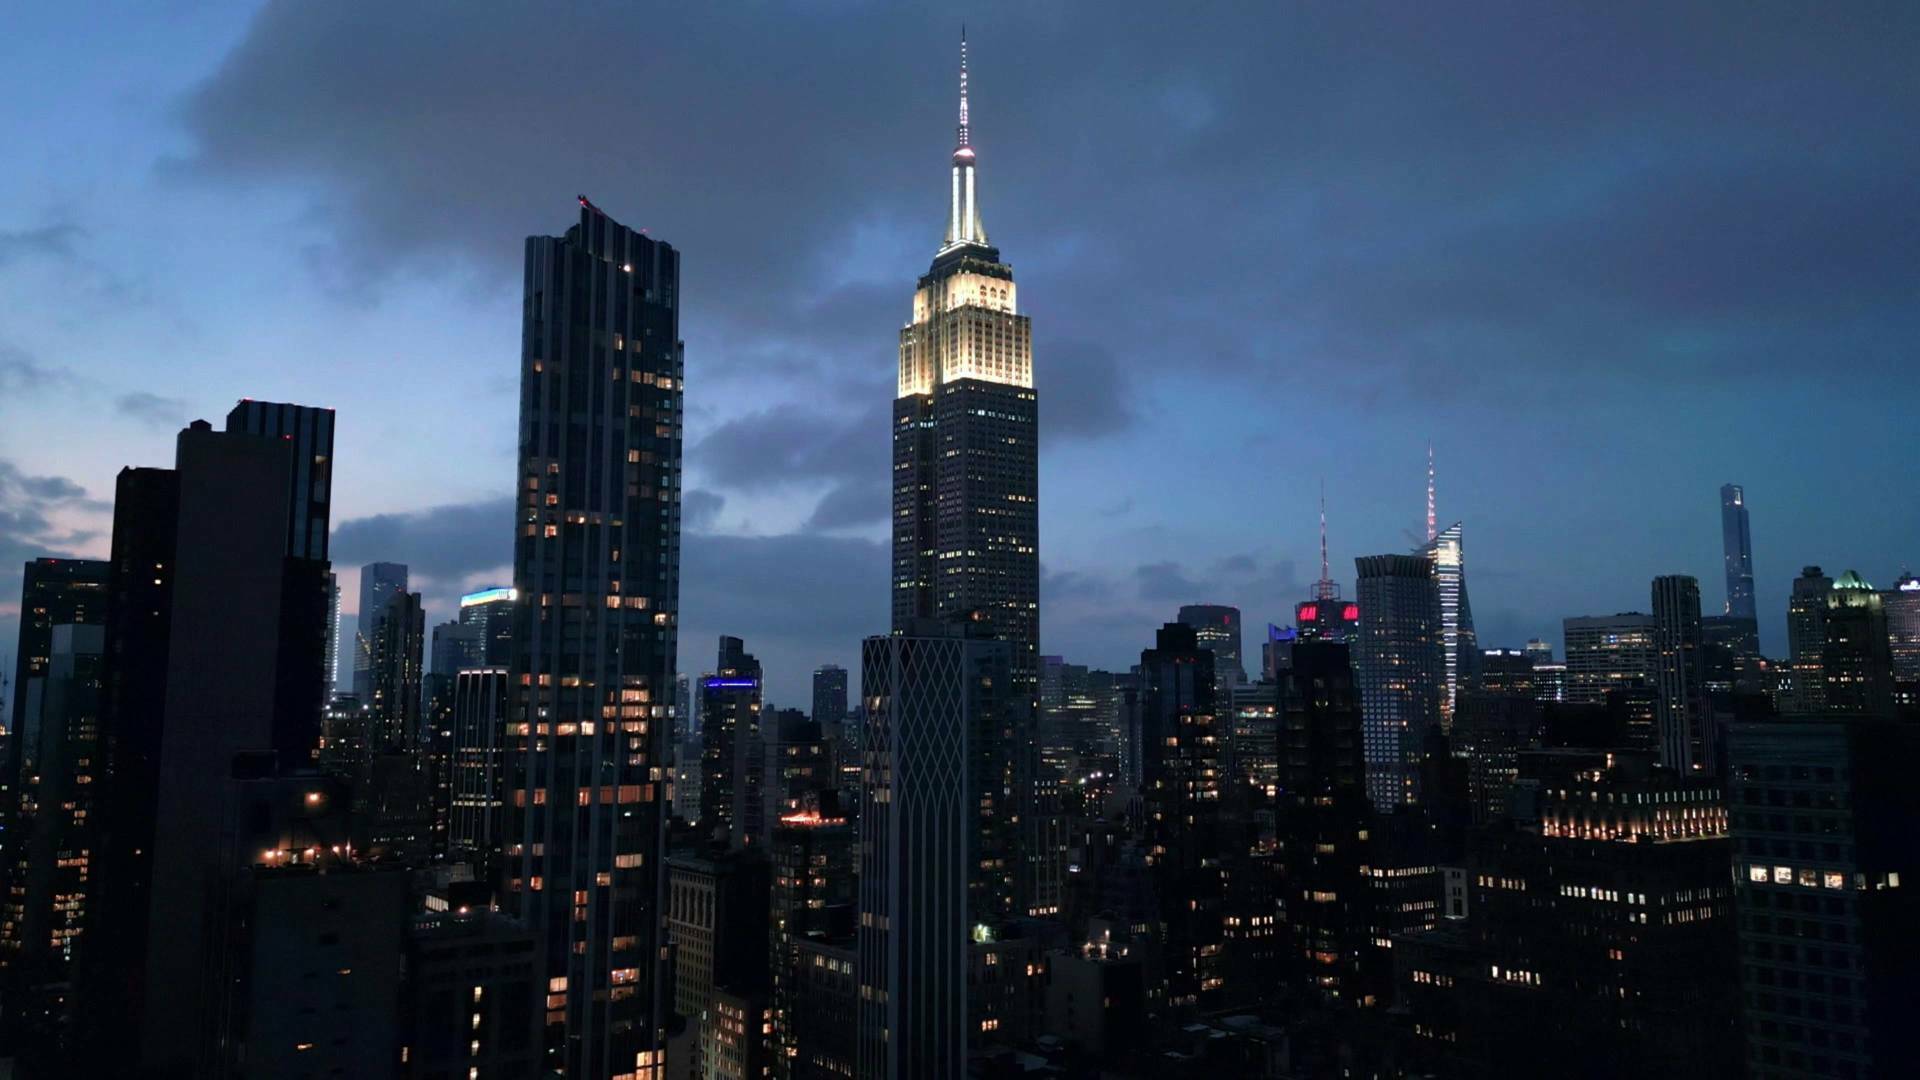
point(966, 526)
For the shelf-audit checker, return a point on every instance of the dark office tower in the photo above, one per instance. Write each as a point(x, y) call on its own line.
point(243, 690)
point(1181, 776)
point(1400, 663)
point(811, 852)
point(490, 612)
point(1323, 823)
point(332, 659)
point(310, 473)
point(1684, 726)
point(378, 584)
point(146, 506)
point(1856, 662)
point(1902, 605)
point(48, 894)
point(1593, 931)
point(1538, 651)
point(475, 783)
point(830, 697)
point(730, 749)
point(934, 861)
point(1458, 641)
point(1333, 620)
point(1806, 641)
point(456, 647)
point(1609, 652)
point(1218, 628)
point(1823, 813)
point(966, 470)
point(1736, 544)
point(796, 768)
point(54, 592)
point(396, 673)
point(596, 570)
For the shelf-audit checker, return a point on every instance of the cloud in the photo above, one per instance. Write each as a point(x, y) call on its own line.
point(444, 543)
point(852, 504)
point(700, 509)
point(792, 443)
point(1084, 392)
point(48, 240)
point(152, 409)
point(21, 374)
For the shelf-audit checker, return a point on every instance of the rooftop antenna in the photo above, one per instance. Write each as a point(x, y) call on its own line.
point(1433, 522)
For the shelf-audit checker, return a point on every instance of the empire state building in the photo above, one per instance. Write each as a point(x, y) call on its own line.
point(966, 464)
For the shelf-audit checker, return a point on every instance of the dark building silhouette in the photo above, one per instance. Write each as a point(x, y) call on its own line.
point(379, 582)
point(596, 570)
point(1807, 643)
point(829, 697)
point(1684, 727)
point(1824, 865)
point(1736, 541)
point(476, 783)
point(1399, 662)
point(1594, 932)
point(1181, 778)
point(1218, 628)
point(732, 756)
point(395, 674)
point(1856, 660)
point(108, 987)
point(243, 697)
point(1323, 823)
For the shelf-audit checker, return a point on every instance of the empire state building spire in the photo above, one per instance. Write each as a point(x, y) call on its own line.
point(963, 218)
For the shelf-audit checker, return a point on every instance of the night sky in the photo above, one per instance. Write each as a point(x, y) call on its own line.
point(1605, 262)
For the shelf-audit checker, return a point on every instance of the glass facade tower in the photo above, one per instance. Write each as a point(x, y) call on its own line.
point(596, 569)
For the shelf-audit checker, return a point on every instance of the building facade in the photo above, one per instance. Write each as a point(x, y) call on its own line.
point(1687, 742)
point(1399, 660)
point(596, 569)
point(1459, 643)
point(1609, 652)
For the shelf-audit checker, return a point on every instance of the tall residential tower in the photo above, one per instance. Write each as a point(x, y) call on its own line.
point(596, 569)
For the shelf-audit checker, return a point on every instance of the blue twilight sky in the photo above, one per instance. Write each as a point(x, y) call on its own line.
point(1604, 260)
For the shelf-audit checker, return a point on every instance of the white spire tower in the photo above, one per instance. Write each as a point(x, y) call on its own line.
point(1433, 522)
point(963, 219)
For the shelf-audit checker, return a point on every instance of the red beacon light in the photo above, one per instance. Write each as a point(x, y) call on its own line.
point(1351, 613)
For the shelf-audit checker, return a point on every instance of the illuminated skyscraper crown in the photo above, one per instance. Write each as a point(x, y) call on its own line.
point(963, 218)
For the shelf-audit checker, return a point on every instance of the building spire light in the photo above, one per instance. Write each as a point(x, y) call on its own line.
point(963, 215)
point(1433, 522)
point(1326, 588)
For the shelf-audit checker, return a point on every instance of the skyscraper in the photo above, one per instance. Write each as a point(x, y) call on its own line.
point(1807, 641)
point(1856, 663)
point(395, 674)
point(332, 658)
point(1736, 543)
point(378, 582)
point(928, 868)
point(1182, 774)
point(1217, 627)
point(491, 612)
point(830, 697)
point(243, 692)
point(1608, 652)
point(1902, 604)
point(1399, 660)
point(966, 471)
point(596, 567)
point(1686, 743)
point(730, 747)
point(1458, 641)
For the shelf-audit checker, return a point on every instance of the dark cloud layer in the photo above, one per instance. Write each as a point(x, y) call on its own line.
point(1398, 200)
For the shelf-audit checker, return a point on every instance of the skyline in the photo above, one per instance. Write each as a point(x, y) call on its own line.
point(772, 486)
